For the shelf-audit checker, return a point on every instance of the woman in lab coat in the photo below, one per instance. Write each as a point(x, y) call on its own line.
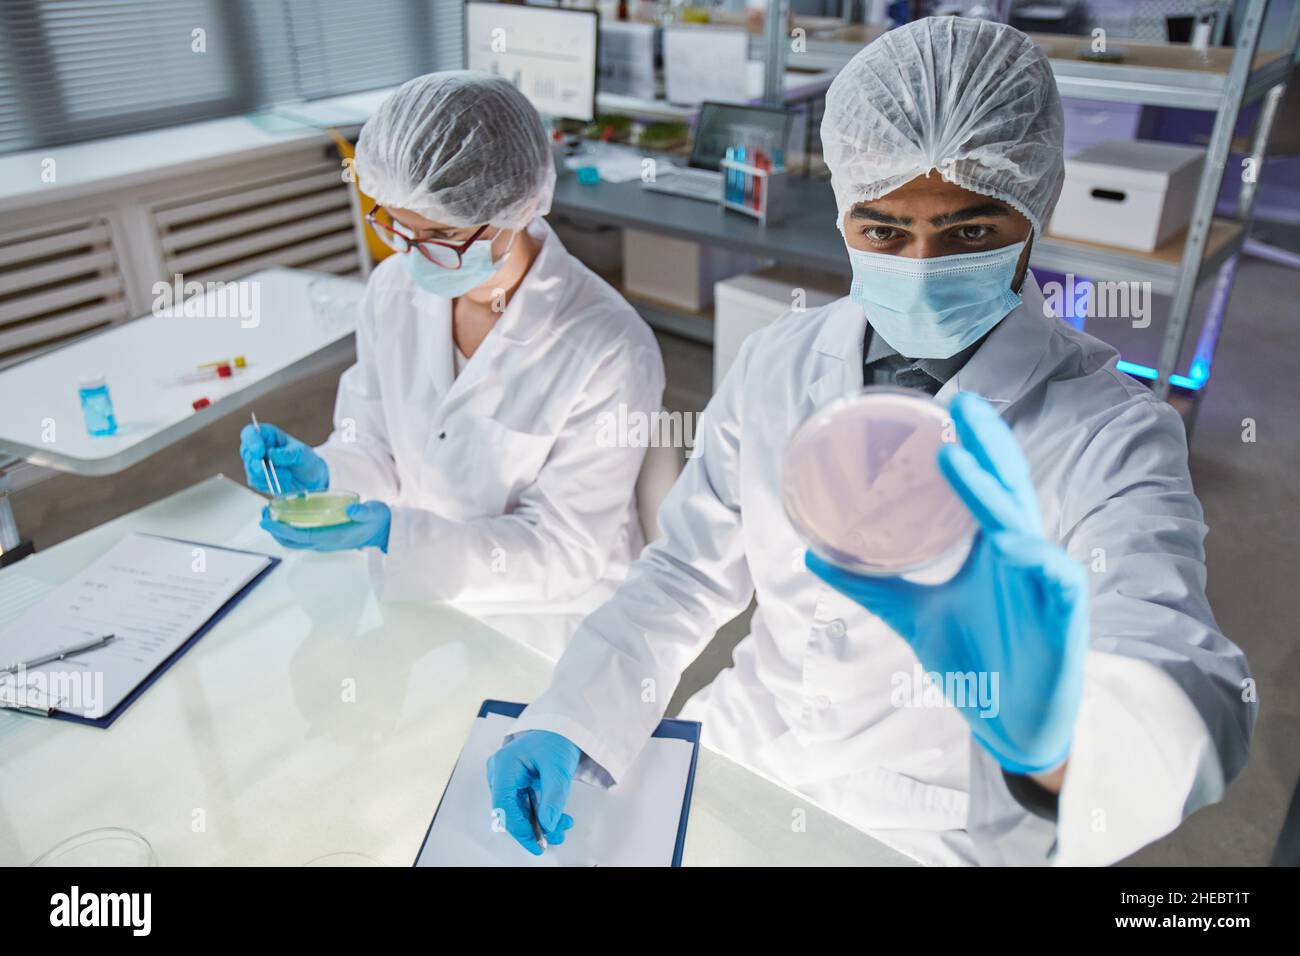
point(1129, 708)
point(487, 360)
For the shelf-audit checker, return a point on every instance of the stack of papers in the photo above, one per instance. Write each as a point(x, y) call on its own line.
point(153, 594)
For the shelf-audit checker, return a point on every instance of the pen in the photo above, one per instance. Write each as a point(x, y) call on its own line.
point(274, 486)
point(538, 835)
point(58, 655)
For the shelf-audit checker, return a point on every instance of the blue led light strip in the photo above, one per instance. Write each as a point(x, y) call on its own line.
point(1192, 383)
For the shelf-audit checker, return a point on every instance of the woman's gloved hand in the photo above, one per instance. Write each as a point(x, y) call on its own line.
point(296, 465)
point(368, 528)
point(1015, 615)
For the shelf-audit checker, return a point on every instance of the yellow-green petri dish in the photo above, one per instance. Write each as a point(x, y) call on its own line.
point(313, 509)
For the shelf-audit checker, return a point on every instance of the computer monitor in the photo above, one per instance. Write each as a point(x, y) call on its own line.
point(550, 55)
point(706, 63)
point(627, 59)
point(720, 125)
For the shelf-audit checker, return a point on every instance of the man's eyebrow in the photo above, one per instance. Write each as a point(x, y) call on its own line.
point(866, 212)
point(982, 211)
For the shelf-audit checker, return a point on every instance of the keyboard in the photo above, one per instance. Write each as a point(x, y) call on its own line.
point(702, 184)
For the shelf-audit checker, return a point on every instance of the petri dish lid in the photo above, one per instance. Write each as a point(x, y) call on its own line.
point(106, 846)
point(861, 483)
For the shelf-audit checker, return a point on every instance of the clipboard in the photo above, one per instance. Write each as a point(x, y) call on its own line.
point(670, 728)
point(105, 721)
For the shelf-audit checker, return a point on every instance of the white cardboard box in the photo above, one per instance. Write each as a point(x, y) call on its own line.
point(745, 304)
point(678, 271)
point(1129, 193)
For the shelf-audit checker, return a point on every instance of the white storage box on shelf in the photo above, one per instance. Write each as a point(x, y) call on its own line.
point(1129, 193)
point(677, 271)
point(745, 304)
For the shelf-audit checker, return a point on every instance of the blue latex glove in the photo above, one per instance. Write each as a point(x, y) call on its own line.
point(541, 762)
point(368, 529)
point(296, 465)
point(1017, 610)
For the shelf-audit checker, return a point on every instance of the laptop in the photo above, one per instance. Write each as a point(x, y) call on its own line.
point(719, 126)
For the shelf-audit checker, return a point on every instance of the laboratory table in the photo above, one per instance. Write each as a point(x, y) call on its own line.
point(144, 361)
point(312, 721)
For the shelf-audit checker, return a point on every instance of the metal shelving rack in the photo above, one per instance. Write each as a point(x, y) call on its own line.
point(1221, 80)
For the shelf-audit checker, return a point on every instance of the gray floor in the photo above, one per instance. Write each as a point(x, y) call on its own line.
point(1249, 491)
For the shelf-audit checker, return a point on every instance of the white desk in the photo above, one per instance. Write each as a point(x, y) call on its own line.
point(249, 733)
point(142, 358)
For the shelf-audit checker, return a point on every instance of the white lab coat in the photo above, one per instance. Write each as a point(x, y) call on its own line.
point(1162, 726)
point(500, 490)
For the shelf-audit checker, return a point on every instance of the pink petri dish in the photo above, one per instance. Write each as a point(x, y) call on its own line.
point(862, 486)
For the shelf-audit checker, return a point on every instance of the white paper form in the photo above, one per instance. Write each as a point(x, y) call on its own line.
point(152, 593)
point(634, 823)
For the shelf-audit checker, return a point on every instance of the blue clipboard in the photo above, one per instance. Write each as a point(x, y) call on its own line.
point(668, 727)
point(107, 720)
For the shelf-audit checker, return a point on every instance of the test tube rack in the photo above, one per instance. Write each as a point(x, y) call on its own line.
point(762, 190)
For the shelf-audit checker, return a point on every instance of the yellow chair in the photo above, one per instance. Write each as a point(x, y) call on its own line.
point(377, 249)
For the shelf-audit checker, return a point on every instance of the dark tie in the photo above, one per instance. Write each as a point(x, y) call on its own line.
point(900, 371)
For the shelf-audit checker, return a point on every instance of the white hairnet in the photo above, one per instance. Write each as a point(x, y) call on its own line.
point(461, 148)
point(973, 99)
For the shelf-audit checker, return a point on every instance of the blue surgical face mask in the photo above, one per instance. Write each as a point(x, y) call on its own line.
point(934, 308)
point(476, 267)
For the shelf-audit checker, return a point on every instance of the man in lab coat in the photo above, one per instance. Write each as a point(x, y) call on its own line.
point(1086, 582)
point(488, 360)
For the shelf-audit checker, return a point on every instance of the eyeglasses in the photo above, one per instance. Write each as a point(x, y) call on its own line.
point(445, 254)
